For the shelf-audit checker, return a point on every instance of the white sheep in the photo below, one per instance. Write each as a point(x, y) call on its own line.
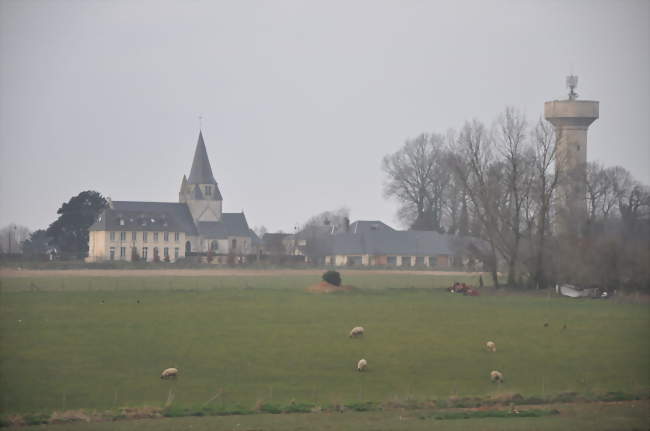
point(491, 346)
point(357, 331)
point(496, 376)
point(362, 365)
point(169, 373)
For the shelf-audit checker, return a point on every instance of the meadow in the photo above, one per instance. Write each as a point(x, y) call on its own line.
point(242, 341)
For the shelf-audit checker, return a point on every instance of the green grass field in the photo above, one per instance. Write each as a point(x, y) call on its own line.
point(81, 342)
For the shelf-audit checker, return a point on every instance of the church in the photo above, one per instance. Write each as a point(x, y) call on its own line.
point(168, 231)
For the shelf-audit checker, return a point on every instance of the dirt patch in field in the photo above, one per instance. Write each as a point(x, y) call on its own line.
point(325, 287)
point(217, 272)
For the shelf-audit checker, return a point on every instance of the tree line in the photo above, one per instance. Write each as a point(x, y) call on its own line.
point(66, 237)
point(500, 183)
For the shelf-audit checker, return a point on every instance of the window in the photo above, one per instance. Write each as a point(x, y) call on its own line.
point(234, 244)
point(121, 222)
point(112, 253)
point(155, 236)
point(177, 236)
point(145, 252)
point(432, 261)
point(406, 261)
point(176, 253)
point(214, 245)
point(166, 252)
point(392, 260)
point(134, 236)
point(112, 235)
point(208, 190)
point(145, 235)
point(166, 236)
point(355, 260)
point(122, 252)
point(122, 236)
point(419, 260)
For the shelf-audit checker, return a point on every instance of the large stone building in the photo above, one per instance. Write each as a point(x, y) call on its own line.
point(167, 231)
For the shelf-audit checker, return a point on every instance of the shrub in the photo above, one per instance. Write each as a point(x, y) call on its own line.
point(332, 277)
point(477, 414)
point(367, 406)
point(271, 408)
point(37, 419)
point(618, 396)
point(294, 407)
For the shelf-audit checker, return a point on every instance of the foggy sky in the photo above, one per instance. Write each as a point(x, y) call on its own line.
point(301, 99)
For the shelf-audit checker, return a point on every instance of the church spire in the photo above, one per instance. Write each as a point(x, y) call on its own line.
point(201, 172)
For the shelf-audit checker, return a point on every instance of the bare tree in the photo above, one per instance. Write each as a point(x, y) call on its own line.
point(476, 169)
point(12, 237)
point(546, 181)
point(418, 177)
point(316, 233)
point(510, 142)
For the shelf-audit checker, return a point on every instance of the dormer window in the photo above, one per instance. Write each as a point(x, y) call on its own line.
point(121, 222)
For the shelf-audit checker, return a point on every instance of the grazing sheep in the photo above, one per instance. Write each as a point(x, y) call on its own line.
point(169, 373)
point(491, 346)
point(496, 376)
point(356, 332)
point(362, 365)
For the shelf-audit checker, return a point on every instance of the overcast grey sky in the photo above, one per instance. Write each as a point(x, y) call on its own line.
point(301, 99)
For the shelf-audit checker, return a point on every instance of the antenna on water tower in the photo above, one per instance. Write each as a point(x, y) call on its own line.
point(572, 83)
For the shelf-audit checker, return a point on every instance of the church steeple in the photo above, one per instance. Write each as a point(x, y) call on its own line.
point(200, 191)
point(201, 172)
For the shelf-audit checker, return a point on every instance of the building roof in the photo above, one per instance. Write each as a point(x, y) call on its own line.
point(374, 237)
point(201, 172)
point(392, 242)
point(231, 224)
point(365, 226)
point(146, 216)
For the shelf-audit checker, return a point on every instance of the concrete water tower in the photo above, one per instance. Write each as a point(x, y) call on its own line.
point(571, 119)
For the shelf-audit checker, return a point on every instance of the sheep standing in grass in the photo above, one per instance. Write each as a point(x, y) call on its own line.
point(362, 365)
point(491, 346)
point(169, 373)
point(356, 332)
point(496, 376)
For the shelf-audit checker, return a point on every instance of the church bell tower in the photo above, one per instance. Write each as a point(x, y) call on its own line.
point(200, 191)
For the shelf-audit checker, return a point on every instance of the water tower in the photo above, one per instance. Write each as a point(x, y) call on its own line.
point(571, 118)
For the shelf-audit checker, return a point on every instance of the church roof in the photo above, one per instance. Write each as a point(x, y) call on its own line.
point(231, 224)
point(146, 216)
point(201, 172)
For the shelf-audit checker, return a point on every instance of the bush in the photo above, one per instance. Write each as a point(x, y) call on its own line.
point(367, 406)
point(332, 277)
point(271, 408)
point(36, 419)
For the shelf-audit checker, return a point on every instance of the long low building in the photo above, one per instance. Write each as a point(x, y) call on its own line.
point(374, 243)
